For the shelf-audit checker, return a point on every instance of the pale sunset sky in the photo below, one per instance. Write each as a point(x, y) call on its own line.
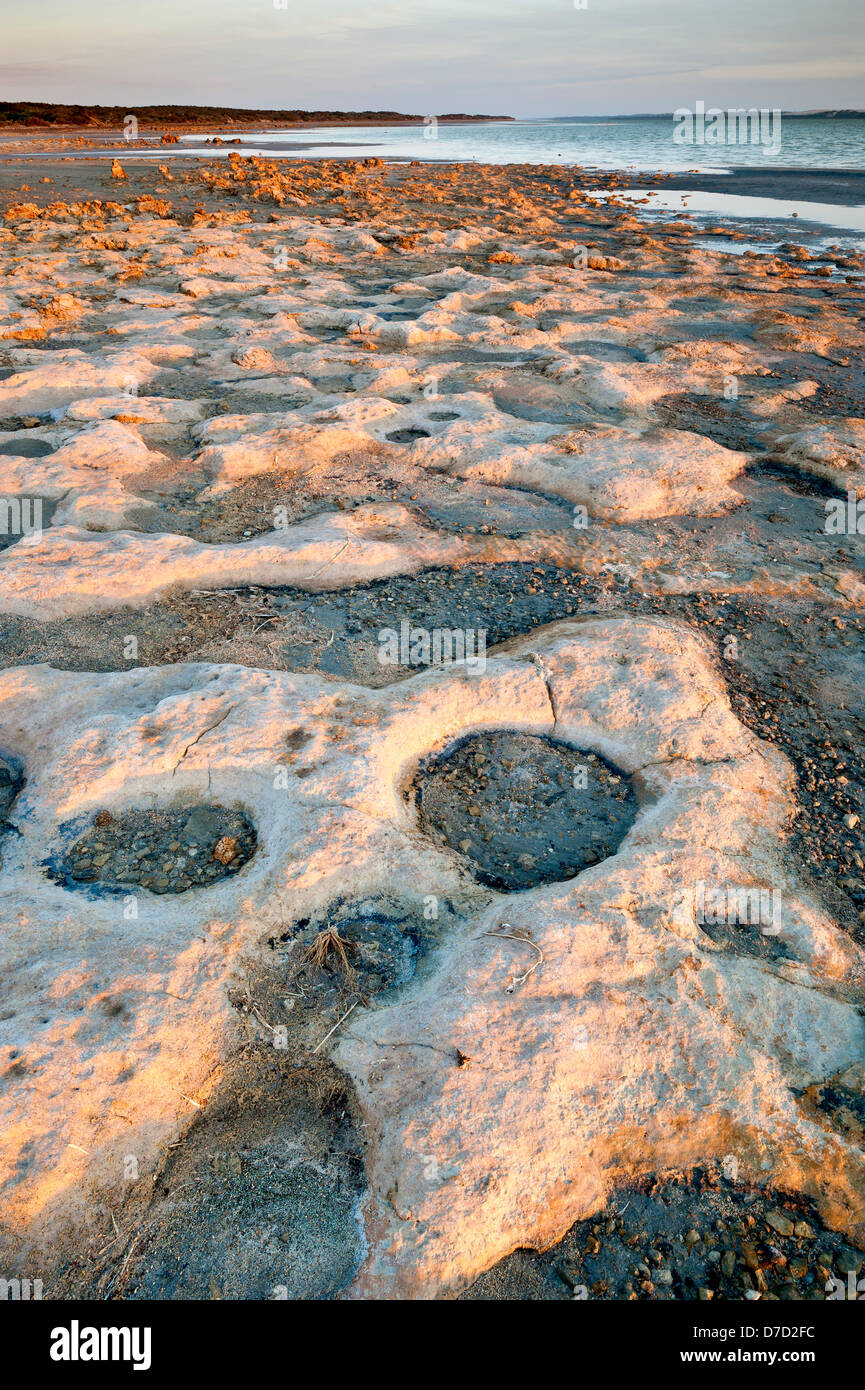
point(514, 57)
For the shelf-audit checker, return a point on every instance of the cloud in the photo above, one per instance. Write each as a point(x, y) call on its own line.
point(519, 56)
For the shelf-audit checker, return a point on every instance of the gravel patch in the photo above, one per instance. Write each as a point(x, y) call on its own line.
point(524, 810)
point(162, 851)
point(684, 1236)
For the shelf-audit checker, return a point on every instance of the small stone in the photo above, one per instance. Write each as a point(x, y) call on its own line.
point(663, 1276)
point(848, 1263)
point(692, 1238)
point(705, 1295)
point(225, 849)
point(569, 1274)
point(851, 820)
point(803, 1231)
point(102, 818)
point(201, 825)
point(752, 1295)
point(780, 1223)
point(728, 1263)
point(750, 1256)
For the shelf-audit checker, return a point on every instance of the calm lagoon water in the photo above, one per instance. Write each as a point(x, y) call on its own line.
point(811, 224)
point(644, 143)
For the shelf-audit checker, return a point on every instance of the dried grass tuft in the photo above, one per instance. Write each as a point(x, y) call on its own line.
point(328, 948)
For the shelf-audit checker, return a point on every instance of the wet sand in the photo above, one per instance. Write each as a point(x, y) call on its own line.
point(845, 187)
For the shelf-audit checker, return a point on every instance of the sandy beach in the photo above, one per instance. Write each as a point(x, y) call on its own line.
point(431, 602)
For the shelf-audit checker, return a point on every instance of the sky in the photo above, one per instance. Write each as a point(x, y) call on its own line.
point(427, 57)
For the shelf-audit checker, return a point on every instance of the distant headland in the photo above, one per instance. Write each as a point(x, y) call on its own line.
point(46, 115)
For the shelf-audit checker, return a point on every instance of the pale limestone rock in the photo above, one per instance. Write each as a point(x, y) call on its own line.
point(58, 379)
point(618, 474)
point(67, 571)
point(636, 1045)
point(831, 449)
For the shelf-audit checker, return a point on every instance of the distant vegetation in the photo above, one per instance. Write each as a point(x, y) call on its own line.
point(45, 114)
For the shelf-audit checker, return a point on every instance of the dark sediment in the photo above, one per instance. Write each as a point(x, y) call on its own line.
point(683, 1236)
point(524, 810)
point(162, 851)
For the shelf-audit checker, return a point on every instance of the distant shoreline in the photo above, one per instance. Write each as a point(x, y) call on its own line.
point(33, 116)
point(50, 116)
point(827, 115)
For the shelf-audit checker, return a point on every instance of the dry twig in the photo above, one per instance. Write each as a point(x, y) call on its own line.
point(524, 937)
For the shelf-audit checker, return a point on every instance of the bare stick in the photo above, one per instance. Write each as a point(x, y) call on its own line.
point(335, 1026)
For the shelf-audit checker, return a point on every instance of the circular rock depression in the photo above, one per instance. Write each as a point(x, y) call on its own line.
point(162, 851)
point(26, 448)
point(524, 810)
point(369, 945)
